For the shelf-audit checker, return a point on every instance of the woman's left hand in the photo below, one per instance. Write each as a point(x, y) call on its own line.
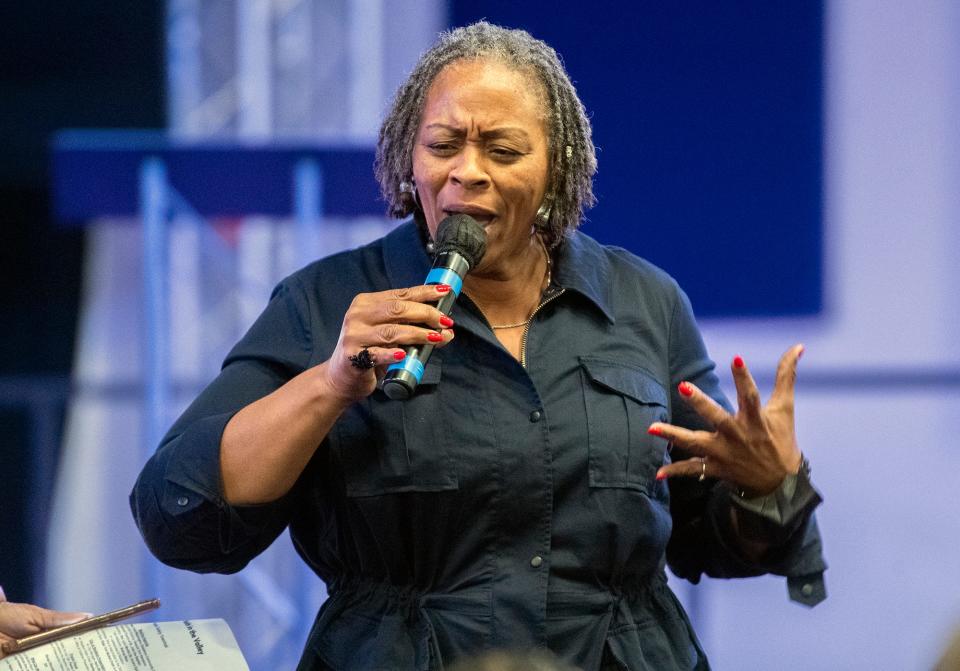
point(754, 449)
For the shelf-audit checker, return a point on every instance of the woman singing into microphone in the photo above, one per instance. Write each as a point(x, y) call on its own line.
point(568, 439)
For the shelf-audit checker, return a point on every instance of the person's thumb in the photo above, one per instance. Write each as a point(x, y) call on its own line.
point(55, 618)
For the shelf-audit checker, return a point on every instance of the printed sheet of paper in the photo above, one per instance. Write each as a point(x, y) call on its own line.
point(187, 645)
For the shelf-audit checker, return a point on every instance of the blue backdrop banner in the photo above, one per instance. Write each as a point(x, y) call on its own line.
point(708, 121)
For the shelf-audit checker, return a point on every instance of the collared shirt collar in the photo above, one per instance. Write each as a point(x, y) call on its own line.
point(404, 257)
point(583, 266)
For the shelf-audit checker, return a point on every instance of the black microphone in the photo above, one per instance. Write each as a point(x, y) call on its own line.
point(460, 244)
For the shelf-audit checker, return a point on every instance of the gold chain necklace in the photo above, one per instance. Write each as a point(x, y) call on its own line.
point(498, 327)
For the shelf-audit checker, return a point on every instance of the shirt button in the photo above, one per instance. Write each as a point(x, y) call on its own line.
point(182, 501)
point(535, 416)
point(536, 561)
point(807, 589)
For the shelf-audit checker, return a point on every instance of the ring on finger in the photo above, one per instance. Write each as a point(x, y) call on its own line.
point(362, 360)
point(703, 469)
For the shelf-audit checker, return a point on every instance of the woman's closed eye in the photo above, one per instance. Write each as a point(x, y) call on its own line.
point(443, 148)
point(505, 154)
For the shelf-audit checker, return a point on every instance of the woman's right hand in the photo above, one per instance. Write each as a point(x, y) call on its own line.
point(384, 322)
point(267, 444)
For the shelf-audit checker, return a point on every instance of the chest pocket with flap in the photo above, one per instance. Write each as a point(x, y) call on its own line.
point(387, 446)
point(621, 402)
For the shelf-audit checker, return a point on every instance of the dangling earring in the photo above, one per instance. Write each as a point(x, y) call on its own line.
point(411, 188)
point(543, 215)
point(418, 216)
point(431, 246)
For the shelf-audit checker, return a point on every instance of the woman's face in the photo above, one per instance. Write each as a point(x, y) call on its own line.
point(481, 149)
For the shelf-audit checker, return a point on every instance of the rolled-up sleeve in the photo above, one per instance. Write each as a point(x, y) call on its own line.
point(704, 539)
point(177, 502)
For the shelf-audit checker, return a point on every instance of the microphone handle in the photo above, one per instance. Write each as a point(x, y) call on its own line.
point(403, 377)
point(445, 304)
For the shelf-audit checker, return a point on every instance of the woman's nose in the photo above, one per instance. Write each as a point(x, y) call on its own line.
point(469, 170)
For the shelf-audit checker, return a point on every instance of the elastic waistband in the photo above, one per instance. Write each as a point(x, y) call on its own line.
point(403, 597)
point(359, 589)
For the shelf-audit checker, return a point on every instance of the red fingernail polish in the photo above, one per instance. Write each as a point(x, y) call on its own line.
point(655, 431)
point(685, 388)
point(399, 355)
point(443, 288)
point(738, 361)
point(446, 321)
point(434, 337)
point(661, 475)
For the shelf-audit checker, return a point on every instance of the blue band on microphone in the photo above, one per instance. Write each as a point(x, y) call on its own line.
point(445, 276)
point(411, 365)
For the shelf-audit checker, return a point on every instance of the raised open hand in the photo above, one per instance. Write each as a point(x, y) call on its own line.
point(754, 449)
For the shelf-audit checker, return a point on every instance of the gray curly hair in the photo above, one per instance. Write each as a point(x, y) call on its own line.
point(572, 160)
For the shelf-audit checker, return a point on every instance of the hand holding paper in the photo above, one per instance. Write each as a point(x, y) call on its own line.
point(24, 619)
point(187, 645)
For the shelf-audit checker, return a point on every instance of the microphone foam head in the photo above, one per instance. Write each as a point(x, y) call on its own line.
point(462, 234)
